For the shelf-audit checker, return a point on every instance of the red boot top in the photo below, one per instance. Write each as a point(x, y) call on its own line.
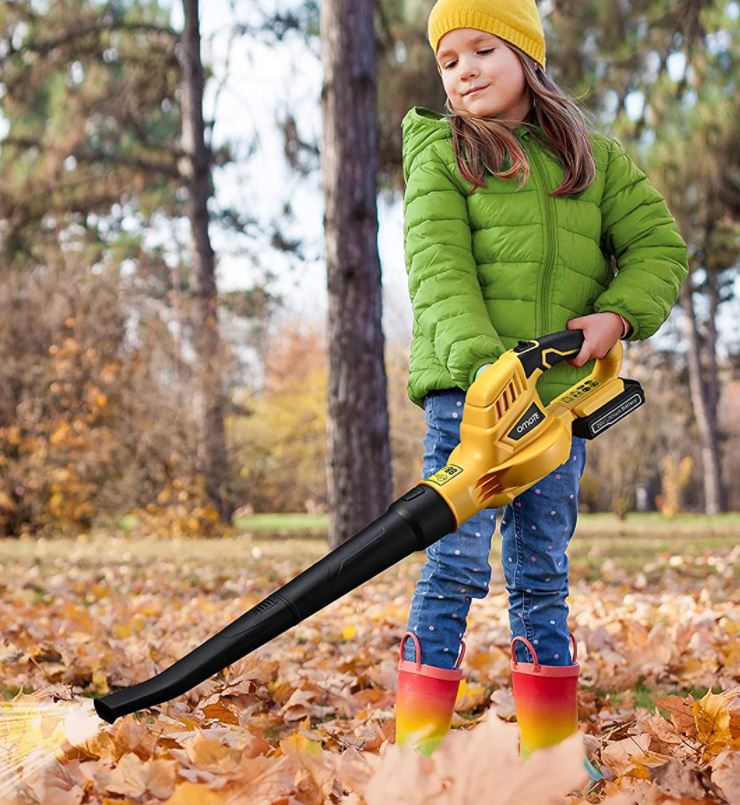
point(545, 697)
point(425, 699)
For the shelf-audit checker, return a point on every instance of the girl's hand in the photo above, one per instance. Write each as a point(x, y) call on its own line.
point(601, 331)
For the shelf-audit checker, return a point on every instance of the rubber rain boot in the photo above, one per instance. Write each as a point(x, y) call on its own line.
point(546, 702)
point(425, 700)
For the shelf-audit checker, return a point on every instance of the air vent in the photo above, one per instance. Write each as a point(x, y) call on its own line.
point(508, 397)
point(488, 485)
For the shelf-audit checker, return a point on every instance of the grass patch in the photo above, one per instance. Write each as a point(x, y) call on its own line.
point(641, 695)
point(295, 521)
point(301, 539)
point(651, 518)
point(653, 525)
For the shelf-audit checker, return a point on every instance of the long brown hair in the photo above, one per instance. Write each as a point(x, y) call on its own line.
point(487, 146)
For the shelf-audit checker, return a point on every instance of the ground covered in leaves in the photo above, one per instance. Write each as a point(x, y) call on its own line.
point(309, 717)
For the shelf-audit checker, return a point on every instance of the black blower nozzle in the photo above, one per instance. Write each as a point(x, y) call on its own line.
point(412, 523)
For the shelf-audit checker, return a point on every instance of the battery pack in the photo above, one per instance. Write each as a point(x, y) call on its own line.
point(610, 413)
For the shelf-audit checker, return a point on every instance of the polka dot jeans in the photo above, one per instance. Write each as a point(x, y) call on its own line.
point(535, 528)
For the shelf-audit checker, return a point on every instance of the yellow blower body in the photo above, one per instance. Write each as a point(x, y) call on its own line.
point(509, 440)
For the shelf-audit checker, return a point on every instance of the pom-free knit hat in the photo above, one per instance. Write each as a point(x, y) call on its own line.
point(516, 21)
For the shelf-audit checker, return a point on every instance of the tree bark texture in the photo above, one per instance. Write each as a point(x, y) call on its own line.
point(197, 168)
point(359, 471)
point(702, 406)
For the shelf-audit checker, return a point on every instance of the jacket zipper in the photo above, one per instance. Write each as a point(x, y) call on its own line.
point(541, 317)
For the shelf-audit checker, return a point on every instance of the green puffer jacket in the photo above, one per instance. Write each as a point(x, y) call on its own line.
point(491, 267)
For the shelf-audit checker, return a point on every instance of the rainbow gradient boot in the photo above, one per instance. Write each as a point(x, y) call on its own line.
point(425, 700)
point(546, 702)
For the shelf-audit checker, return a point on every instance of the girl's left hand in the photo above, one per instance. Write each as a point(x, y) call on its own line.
point(601, 331)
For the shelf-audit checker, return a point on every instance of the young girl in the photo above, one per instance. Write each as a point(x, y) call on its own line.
point(513, 212)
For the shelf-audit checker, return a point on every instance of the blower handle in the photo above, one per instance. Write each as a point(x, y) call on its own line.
point(544, 352)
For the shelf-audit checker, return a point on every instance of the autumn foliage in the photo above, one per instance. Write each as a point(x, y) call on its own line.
point(309, 717)
point(89, 431)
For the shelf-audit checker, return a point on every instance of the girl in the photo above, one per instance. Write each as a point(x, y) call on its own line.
point(513, 215)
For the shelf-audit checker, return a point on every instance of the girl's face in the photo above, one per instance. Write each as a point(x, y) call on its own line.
point(482, 75)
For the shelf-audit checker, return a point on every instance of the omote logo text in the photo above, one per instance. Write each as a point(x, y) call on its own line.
point(528, 424)
point(531, 419)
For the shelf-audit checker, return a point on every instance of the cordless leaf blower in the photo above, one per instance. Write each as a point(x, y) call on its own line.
point(508, 441)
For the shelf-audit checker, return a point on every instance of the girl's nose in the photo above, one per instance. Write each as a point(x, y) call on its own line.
point(468, 69)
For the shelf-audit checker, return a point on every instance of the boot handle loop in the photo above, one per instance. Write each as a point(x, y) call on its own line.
point(531, 650)
point(417, 646)
point(460, 655)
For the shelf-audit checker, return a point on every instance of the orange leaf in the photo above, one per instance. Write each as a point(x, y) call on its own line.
point(681, 711)
point(220, 713)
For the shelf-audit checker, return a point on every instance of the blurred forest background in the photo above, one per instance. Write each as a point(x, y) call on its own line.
point(133, 390)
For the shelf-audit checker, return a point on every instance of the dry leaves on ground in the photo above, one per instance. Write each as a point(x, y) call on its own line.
point(309, 717)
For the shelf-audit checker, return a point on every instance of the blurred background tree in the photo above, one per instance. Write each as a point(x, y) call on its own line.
point(99, 355)
point(100, 172)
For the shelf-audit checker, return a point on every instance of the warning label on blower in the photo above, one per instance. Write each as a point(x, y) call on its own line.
point(445, 474)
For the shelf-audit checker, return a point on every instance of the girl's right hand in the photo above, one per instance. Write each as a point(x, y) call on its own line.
point(601, 331)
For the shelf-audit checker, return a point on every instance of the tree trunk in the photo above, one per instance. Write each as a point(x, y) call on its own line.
point(702, 409)
point(712, 367)
point(197, 168)
point(359, 471)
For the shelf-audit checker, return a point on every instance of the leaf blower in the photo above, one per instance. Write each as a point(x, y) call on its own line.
point(508, 441)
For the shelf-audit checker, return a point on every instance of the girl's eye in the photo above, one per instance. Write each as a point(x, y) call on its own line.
point(450, 64)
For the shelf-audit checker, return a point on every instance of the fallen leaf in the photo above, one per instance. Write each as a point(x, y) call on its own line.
point(712, 714)
point(503, 700)
point(195, 794)
point(621, 756)
point(471, 764)
point(221, 713)
point(726, 774)
point(681, 712)
point(679, 780)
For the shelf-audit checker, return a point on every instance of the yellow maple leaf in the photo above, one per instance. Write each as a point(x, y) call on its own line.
point(195, 794)
point(712, 715)
point(469, 695)
point(100, 681)
point(300, 746)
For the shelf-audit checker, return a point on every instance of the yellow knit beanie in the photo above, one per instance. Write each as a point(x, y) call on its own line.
point(516, 21)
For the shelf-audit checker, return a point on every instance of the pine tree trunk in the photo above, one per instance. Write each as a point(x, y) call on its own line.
point(702, 409)
point(713, 382)
point(197, 167)
point(359, 472)
point(712, 368)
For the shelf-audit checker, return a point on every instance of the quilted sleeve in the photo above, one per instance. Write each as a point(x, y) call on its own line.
point(446, 297)
point(639, 230)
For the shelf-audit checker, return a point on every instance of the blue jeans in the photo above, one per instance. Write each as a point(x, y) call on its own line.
point(535, 529)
